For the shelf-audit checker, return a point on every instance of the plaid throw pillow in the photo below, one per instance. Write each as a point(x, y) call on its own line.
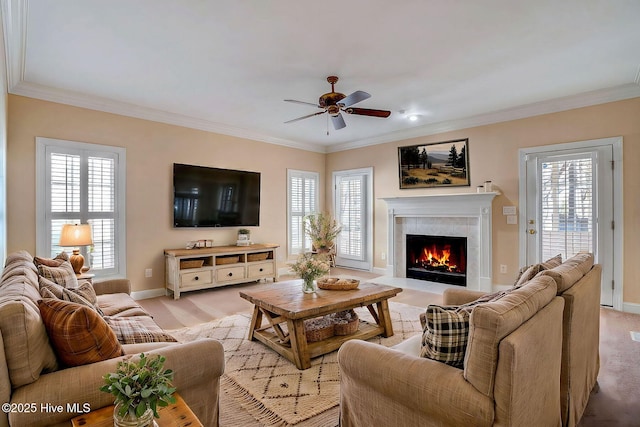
point(77, 333)
point(58, 270)
point(445, 334)
point(83, 294)
point(446, 330)
point(529, 272)
point(138, 329)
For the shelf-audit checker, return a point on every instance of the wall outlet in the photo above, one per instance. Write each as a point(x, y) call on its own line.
point(383, 255)
point(503, 269)
point(148, 272)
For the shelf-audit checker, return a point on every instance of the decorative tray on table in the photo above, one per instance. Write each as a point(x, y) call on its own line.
point(334, 283)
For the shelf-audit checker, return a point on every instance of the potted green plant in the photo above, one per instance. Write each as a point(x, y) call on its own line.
point(322, 229)
point(139, 387)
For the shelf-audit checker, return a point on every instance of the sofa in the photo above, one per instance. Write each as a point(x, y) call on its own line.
point(510, 375)
point(579, 284)
point(33, 371)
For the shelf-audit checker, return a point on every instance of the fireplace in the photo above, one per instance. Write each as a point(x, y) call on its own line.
point(466, 215)
point(441, 259)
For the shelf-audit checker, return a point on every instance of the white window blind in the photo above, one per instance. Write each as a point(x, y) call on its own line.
point(567, 206)
point(82, 183)
point(302, 197)
point(350, 216)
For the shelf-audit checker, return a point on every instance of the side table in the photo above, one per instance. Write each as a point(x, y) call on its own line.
point(86, 276)
point(177, 415)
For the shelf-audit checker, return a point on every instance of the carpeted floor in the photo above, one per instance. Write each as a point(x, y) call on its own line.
point(616, 403)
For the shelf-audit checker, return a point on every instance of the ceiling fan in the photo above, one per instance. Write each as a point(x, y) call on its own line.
point(334, 103)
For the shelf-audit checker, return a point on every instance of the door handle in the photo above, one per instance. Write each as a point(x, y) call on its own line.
point(532, 231)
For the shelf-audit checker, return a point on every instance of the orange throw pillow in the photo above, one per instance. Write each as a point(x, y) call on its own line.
point(79, 335)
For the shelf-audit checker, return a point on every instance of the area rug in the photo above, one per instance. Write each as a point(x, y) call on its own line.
point(270, 387)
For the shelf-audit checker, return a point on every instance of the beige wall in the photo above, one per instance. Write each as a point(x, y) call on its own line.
point(493, 154)
point(152, 148)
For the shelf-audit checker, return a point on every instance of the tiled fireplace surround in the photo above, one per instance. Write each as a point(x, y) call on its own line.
point(460, 215)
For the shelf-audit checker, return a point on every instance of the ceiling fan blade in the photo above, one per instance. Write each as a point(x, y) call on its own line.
point(368, 112)
point(354, 98)
point(338, 122)
point(303, 103)
point(305, 117)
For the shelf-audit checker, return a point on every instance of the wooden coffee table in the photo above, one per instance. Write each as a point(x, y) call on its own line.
point(285, 303)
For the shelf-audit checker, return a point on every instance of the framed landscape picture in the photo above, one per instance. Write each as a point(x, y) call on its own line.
point(439, 164)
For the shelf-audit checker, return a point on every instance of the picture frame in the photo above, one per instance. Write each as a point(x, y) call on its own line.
point(437, 164)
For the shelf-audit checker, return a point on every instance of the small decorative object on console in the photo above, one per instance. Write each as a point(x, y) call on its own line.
point(244, 237)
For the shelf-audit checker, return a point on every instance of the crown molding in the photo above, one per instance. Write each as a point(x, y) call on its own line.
point(617, 93)
point(32, 90)
point(14, 22)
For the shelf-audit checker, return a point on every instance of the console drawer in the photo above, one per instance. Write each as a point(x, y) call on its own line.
point(230, 273)
point(260, 270)
point(196, 278)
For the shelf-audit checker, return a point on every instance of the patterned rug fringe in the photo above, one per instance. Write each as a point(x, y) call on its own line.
point(254, 406)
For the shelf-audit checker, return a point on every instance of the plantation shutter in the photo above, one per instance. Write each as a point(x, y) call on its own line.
point(101, 203)
point(567, 205)
point(350, 216)
point(303, 200)
point(81, 186)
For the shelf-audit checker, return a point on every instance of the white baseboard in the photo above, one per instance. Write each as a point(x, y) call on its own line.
point(149, 293)
point(380, 271)
point(284, 271)
point(630, 307)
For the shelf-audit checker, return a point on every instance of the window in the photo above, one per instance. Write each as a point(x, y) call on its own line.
point(567, 205)
point(82, 183)
point(302, 199)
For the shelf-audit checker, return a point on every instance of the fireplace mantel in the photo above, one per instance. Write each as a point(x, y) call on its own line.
point(472, 206)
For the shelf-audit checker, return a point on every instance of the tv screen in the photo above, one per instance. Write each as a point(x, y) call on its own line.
point(212, 197)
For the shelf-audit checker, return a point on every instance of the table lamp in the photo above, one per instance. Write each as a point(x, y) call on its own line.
point(76, 235)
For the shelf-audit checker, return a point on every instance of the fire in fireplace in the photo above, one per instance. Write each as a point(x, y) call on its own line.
point(440, 259)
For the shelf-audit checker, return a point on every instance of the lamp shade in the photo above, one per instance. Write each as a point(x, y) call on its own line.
point(75, 235)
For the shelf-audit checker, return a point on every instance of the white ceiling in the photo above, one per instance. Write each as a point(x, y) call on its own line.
point(227, 66)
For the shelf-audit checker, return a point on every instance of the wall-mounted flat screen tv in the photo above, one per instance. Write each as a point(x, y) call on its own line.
point(212, 197)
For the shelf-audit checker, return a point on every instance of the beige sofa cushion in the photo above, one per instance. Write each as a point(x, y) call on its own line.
point(570, 271)
point(27, 347)
point(491, 322)
point(120, 305)
point(20, 264)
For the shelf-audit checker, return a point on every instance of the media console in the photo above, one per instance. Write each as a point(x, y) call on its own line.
point(204, 268)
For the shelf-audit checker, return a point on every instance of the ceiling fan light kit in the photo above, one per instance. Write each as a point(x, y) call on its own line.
point(334, 103)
